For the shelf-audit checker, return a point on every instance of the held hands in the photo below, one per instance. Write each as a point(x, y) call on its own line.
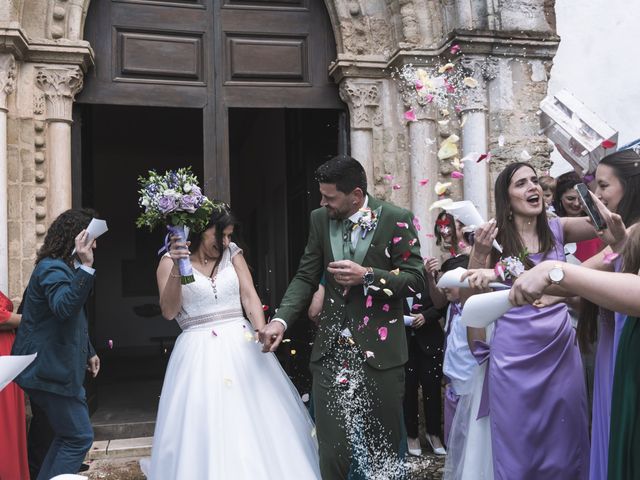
point(346, 272)
point(270, 336)
point(529, 286)
point(84, 248)
point(93, 365)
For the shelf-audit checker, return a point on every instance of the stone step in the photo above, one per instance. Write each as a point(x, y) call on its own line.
point(120, 448)
point(111, 431)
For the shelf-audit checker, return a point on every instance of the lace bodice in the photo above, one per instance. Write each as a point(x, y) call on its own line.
point(212, 299)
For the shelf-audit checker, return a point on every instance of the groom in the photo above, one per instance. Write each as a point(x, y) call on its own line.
point(369, 253)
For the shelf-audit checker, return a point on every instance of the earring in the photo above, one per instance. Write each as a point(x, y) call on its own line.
point(510, 216)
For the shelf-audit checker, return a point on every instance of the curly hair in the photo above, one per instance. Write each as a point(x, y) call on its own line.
point(60, 239)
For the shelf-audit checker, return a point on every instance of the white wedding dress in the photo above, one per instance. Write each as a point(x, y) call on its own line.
point(227, 411)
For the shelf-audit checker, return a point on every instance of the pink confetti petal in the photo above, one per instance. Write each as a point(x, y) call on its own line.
point(405, 256)
point(608, 144)
point(429, 98)
point(458, 108)
point(454, 49)
point(413, 241)
point(110, 343)
point(265, 308)
point(410, 116)
point(369, 301)
point(416, 306)
point(388, 178)
point(402, 224)
point(396, 240)
point(610, 257)
point(483, 156)
point(424, 182)
point(385, 307)
point(365, 321)
point(457, 175)
point(382, 333)
point(416, 223)
point(419, 85)
point(397, 186)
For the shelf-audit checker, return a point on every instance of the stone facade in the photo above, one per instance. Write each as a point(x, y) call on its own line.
point(508, 48)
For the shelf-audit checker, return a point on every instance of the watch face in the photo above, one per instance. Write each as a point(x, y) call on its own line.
point(556, 274)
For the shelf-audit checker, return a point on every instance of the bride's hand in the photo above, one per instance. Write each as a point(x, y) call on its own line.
point(270, 336)
point(178, 249)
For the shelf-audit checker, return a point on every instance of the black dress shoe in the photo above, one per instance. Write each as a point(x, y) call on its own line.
point(84, 467)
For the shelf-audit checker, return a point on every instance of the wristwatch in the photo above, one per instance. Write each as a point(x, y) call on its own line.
point(367, 278)
point(556, 274)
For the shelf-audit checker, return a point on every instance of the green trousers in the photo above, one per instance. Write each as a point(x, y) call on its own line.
point(358, 413)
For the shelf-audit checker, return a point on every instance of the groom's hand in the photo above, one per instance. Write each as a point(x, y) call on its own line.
point(346, 272)
point(270, 336)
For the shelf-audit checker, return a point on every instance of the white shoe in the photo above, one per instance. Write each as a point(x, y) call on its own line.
point(437, 451)
point(414, 446)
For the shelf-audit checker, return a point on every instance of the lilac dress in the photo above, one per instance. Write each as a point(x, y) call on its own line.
point(537, 394)
point(610, 326)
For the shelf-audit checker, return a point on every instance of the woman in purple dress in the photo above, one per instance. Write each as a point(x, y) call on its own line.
point(618, 187)
point(537, 396)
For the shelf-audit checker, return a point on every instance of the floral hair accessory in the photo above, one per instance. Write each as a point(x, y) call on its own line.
point(368, 220)
point(443, 222)
point(509, 267)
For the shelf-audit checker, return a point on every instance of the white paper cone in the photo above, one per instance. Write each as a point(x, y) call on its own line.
point(467, 213)
point(452, 279)
point(12, 365)
point(481, 310)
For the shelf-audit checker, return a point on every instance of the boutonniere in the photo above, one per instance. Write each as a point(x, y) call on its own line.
point(510, 267)
point(368, 220)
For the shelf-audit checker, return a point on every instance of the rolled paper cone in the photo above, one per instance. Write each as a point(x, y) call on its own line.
point(467, 213)
point(452, 279)
point(481, 310)
point(184, 264)
point(12, 365)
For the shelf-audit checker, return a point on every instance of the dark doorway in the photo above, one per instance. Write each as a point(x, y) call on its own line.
point(273, 155)
point(119, 144)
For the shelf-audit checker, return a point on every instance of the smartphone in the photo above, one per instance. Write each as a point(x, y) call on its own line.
point(590, 206)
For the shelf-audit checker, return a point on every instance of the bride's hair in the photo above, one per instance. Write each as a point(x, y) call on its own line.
point(221, 218)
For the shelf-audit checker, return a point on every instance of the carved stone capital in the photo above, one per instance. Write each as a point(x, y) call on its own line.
point(482, 70)
point(363, 101)
point(7, 78)
point(60, 86)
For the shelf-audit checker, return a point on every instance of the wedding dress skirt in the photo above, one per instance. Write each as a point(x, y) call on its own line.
point(228, 411)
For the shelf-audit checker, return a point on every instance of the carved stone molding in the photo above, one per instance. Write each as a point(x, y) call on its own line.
point(60, 86)
point(363, 100)
point(7, 78)
point(482, 70)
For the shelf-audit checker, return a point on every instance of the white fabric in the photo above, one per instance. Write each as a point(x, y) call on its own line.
point(469, 454)
point(227, 410)
point(459, 362)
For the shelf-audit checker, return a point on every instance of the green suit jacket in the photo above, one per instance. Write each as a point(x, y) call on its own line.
point(375, 320)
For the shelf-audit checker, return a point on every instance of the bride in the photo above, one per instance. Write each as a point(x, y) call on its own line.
point(227, 410)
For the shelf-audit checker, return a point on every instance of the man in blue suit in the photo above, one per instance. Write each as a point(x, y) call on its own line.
point(54, 325)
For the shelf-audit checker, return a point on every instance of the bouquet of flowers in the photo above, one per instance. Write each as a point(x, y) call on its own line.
point(174, 199)
point(509, 267)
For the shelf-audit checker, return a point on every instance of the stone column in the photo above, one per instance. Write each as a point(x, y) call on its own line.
point(363, 100)
point(423, 152)
point(7, 84)
point(60, 85)
point(474, 136)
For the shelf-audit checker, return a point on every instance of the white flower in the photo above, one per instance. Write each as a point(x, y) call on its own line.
point(187, 187)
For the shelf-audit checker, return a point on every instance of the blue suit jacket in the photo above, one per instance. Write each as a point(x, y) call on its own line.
point(54, 324)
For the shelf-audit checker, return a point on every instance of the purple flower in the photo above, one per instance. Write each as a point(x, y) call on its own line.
point(195, 190)
point(189, 203)
point(167, 204)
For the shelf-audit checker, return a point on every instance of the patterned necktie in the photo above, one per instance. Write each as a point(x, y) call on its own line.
point(347, 244)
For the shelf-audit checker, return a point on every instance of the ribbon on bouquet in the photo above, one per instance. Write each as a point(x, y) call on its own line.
point(184, 264)
point(481, 351)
